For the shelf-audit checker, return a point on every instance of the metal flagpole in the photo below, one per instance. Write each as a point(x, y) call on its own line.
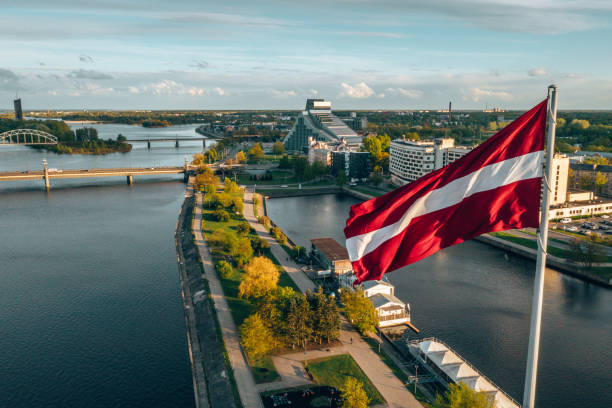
point(538, 289)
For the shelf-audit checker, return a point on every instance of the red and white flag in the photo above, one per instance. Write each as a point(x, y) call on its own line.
point(495, 187)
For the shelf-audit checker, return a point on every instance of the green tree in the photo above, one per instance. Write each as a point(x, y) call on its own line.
point(284, 162)
point(278, 148)
point(243, 228)
point(256, 153)
point(580, 124)
point(299, 322)
point(259, 245)
point(241, 157)
point(261, 278)
point(360, 310)
point(341, 178)
point(600, 180)
point(353, 394)
point(237, 205)
point(242, 252)
point(211, 155)
point(221, 215)
point(462, 396)
point(230, 186)
point(225, 269)
point(256, 338)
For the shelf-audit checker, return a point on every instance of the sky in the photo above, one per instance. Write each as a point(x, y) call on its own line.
point(273, 54)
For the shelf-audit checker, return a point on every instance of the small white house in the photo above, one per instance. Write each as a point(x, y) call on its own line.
point(391, 310)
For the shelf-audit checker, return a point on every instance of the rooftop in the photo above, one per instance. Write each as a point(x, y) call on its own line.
point(332, 249)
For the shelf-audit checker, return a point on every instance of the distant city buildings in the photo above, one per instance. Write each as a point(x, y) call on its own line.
point(319, 123)
point(356, 123)
point(410, 160)
point(356, 165)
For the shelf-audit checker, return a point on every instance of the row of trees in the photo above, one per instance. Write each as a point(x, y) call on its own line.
point(302, 168)
point(287, 318)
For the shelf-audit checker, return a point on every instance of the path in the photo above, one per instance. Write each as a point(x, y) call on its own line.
point(249, 395)
point(390, 387)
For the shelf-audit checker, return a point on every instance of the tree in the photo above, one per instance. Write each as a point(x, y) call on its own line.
point(211, 155)
point(225, 269)
point(284, 162)
point(376, 177)
point(86, 134)
point(600, 180)
point(263, 220)
point(462, 396)
point(585, 252)
point(230, 186)
point(256, 153)
point(261, 278)
point(277, 233)
point(341, 178)
point(121, 138)
point(259, 245)
point(241, 157)
point(221, 215)
point(256, 338)
point(360, 310)
point(580, 124)
point(242, 252)
point(243, 228)
point(278, 148)
point(237, 205)
point(353, 394)
point(299, 322)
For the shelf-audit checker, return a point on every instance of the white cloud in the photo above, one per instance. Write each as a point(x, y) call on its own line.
point(89, 74)
point(358, 91)
point(133, 90)
point(220, 91)
point(282, 94)
point(409, 93)
point(539, 71)
point(476, 94)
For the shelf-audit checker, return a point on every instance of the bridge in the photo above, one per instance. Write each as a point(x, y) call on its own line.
point(27, 137)
point(129, 172)
point(176, 140)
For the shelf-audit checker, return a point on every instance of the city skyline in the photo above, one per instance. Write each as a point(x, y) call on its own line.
point(273, 55)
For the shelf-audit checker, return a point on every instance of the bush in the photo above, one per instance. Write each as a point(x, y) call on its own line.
point(242, 252)
point(243, 228)
point(224, 269)
point(237, 205)
point(263, 220)
point(261, 278)
point(221, 215)
point(277, 233)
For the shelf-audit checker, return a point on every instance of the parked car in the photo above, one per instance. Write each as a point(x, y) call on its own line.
point(605, 216)
point(566, 220)
point(571, 228)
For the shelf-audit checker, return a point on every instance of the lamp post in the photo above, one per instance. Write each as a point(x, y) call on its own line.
point(416, 376)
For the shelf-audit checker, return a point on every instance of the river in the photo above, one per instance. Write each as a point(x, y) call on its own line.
point(477, 301)
point(90, 304)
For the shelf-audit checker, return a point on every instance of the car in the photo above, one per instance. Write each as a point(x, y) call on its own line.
point(566, 220)
point(571, 228)
point(284, 186)
point(605, 216)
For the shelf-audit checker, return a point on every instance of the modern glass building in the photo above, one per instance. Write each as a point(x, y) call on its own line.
point(318, 121)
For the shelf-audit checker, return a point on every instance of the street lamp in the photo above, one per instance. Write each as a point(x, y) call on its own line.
point(416, 376)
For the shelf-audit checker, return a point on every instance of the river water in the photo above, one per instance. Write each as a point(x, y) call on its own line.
point(477, 301)
point(90, 305)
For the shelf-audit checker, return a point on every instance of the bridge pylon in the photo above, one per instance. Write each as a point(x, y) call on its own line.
point(46, 176)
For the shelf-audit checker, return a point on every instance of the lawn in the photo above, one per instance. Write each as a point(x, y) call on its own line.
point(333, 371)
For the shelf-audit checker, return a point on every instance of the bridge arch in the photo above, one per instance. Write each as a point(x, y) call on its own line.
point(27, 137)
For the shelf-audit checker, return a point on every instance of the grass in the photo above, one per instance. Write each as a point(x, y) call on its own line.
point(399, 373)
point(263, 370)
point(333, 371)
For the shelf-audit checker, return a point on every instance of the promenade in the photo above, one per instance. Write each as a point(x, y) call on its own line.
point(249, 395)
point(390, 387)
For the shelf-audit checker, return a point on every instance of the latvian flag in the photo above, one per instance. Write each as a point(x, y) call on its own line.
point(495, 187)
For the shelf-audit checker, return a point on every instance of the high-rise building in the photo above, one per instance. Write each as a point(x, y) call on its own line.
point(558, 184)
point(356, 165)
point(409, 160)
point(18, 111)
point(318, 121)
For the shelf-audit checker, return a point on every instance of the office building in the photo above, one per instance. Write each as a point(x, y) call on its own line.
point(356, 165)
point(318, 121)
point(18, 111)
point(410, 160)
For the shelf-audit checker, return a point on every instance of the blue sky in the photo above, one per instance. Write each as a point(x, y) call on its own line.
point(360, 54)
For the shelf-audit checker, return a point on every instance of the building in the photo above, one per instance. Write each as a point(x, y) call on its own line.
point(448, 367)
point(332, 255)
point(318, 121)
point(319, 151)
point(356, 123)
point(584, 176)
point(558, 185)
point(18, 111)
point(356, 165)
point(391, 310)
point(410, 160)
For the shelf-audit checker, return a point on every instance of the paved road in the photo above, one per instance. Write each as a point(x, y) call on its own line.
point(390, 387)
point(249, 395)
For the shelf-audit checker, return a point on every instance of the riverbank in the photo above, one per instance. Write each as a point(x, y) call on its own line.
point(211, 376)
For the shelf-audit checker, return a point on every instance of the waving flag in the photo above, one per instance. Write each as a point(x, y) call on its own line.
point(495, 187)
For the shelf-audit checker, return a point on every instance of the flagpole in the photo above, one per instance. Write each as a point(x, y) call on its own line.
point(538, 289)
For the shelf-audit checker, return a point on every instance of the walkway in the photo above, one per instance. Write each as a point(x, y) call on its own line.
point(390, 387)
point(249, 395)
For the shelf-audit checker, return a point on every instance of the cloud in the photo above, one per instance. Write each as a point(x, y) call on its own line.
point(89, 74)
point(535, 72)
point(200, 64)
point(476, 94)
point(85, 58)
point(359, 91)
point(220, 91)
point(8, 79)
point(133, 90)
point(409, 93)
point(282, 94)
